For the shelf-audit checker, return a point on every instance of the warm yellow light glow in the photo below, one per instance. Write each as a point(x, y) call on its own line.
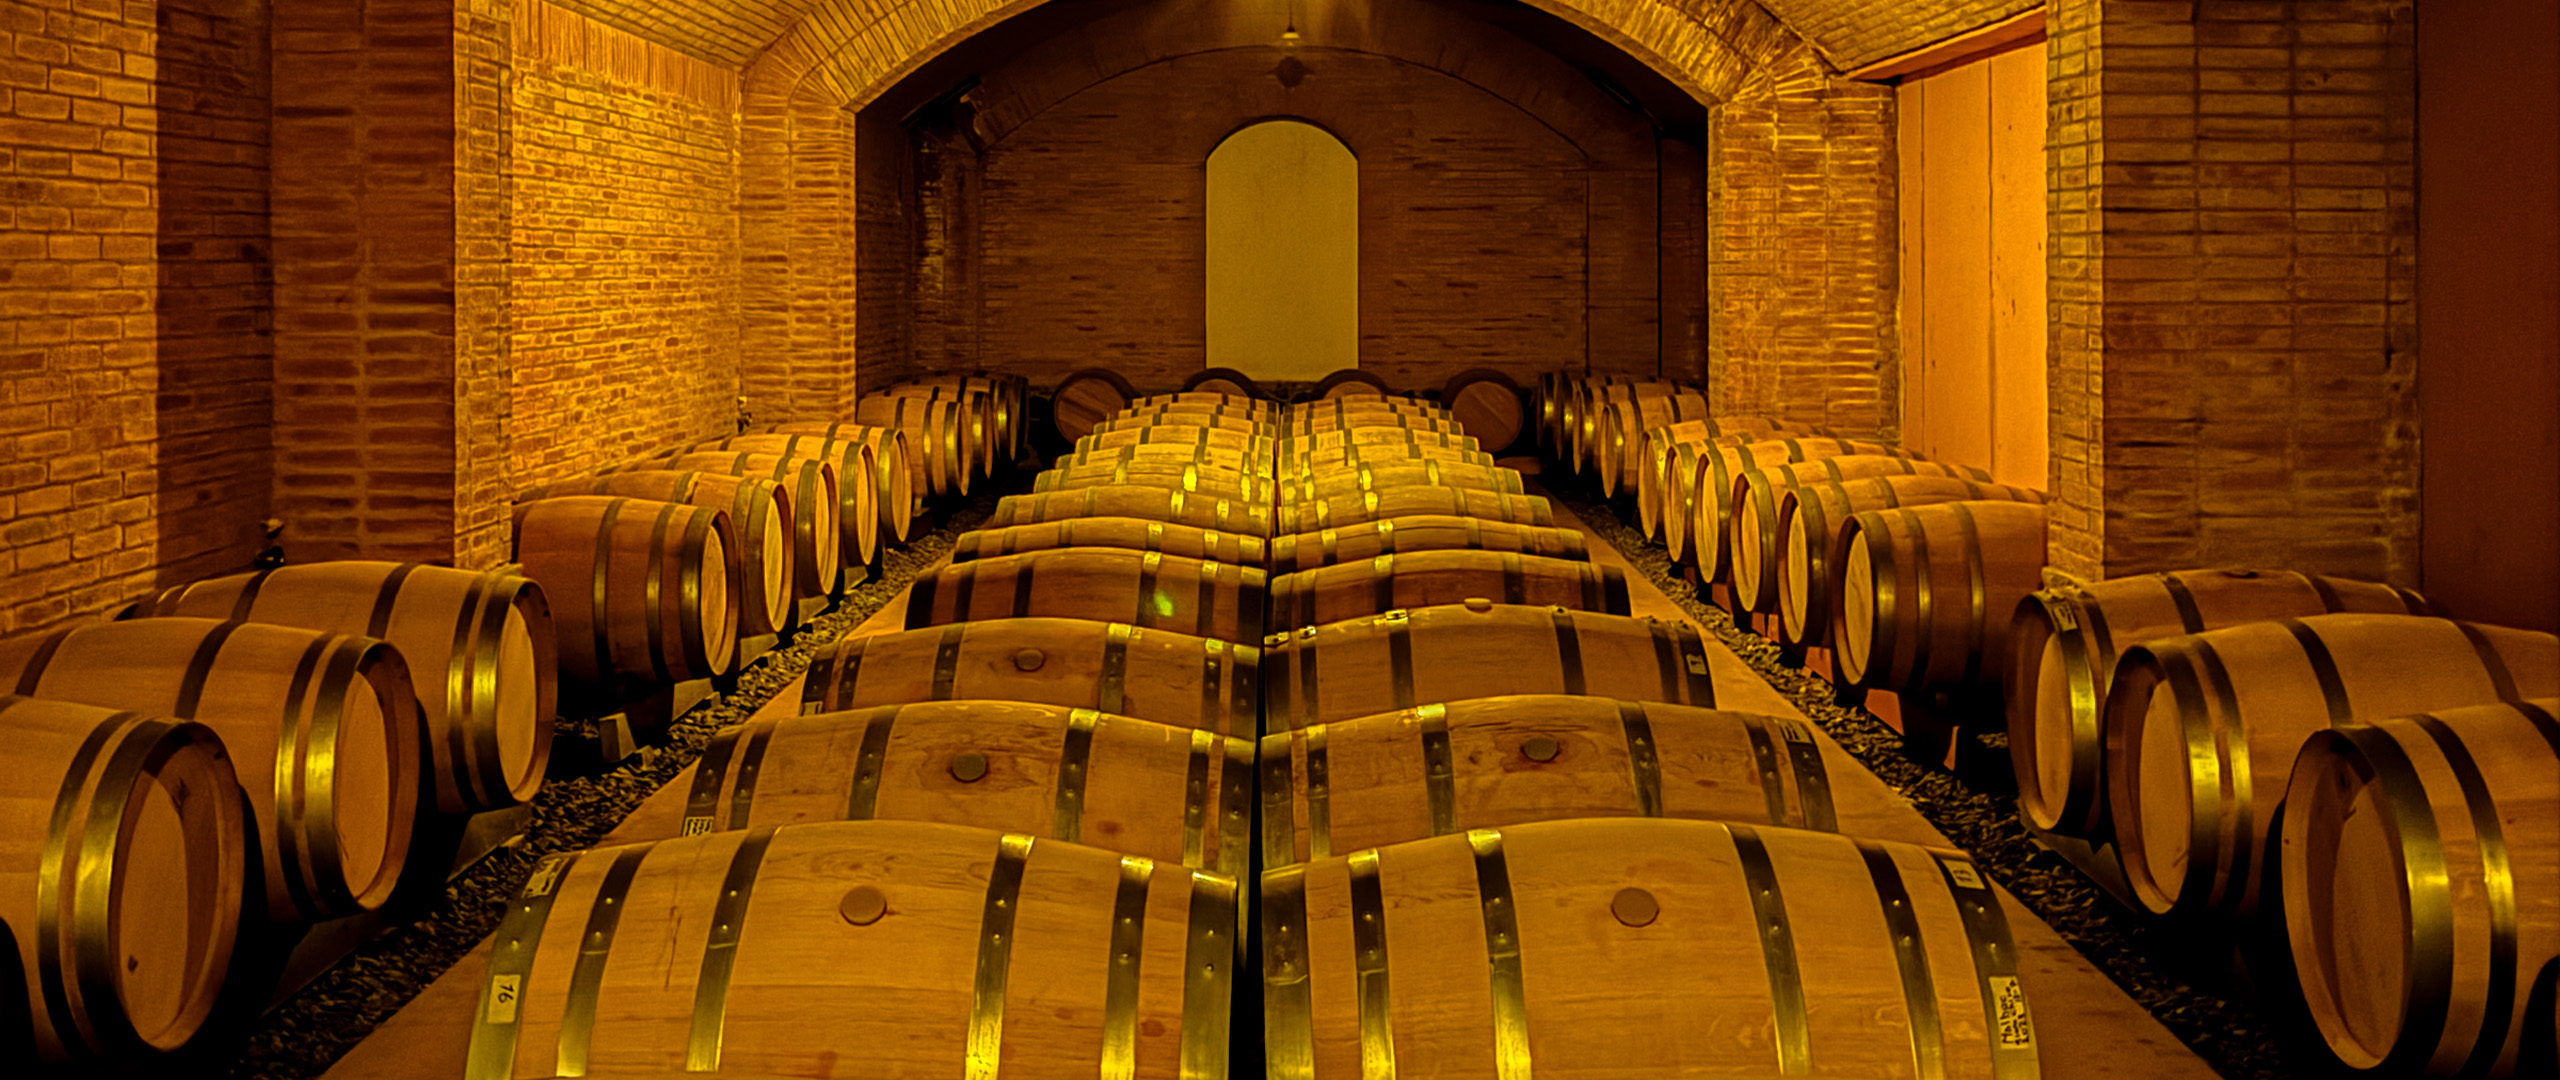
point(1284, 253)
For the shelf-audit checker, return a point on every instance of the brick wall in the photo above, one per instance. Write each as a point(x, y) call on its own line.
point(2233, 216)
point(625, 290)
point(133, 362)
point(1801, 251)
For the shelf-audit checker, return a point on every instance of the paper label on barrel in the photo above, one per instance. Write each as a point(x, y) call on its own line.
point(2064, 618)
point(697, 826)
point(2010, 1025)
point(546, 874)
point(503, 992)
point(1697, 664)
point(1966, 877)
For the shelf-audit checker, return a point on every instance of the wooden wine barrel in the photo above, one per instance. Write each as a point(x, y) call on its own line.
point(1408, 502)
point(1351, 482)
point(1618, 452)
point(1542, 409)
point(1180, 797)
point(321, 728)
point(1710, 494)
point(1176, 455)
point(1157, 675)
point(1237, 442)
point(1350, 382)
point(1334, 410)
point(978, 431)
point(913, 948)
point(1455, 652)
point(1157, 417)
point(861, 483)
point(936, 429)
point(1643, 949)
point(1142, 588)
point(1001, 418)
point(1582, 441)
point(1146, 503)
point(1662, 504)
point(1129, 533)
point(1433, 770)
point(818, 554)
point(480, 648)
point(2194, 718)
point(1567, 414)
point(131, 856)
point(763, 559)
point(1318, 463)
point(1488, 405)
point(1924, 592)
point(1371, 439)
point(2064, 644)
point(1197, 479)
point(2421, 882)
point(1377, 417)
point(1084, 397)
point(1417, 579)
point(643, 587)
point(1226, 381)
point(1808, 517)
point(902, 480)
point(1425, 532)
point(1218, 399)
point(1753, 520)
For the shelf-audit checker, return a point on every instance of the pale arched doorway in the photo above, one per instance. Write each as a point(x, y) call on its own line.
point(1284, 253)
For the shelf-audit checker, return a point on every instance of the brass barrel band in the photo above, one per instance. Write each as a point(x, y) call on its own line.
point(1120, 987)
point(1279, 799)
point(2379, 758)
point(2324, 667)
point(292, 737)
point(2330, 601)
point(1213, 655)
point(1400, 656)
point(1111, 690)
point(1022, 588)
point(1515, 581)
point(1910, 953)
point(471, 689)
point(653, 595)
point(1288, 1010)
point(595, 946)
point(50, 876)
point(1666, 658)
point(1977, 621)
point(1195, 799)
point(995, 956)
point(495, 1024)
point(1235, 810)
point(862, 797)
point(1369, 968)
point(702, 803)
point(1644, 763)
point(1693, 660)
point(1923, 604)
point(1511, 1055)
point(2190, 617)
point(1319, 796)
point(1568, 650)
point(1382, 588)
point(2006, 1021)
point(1148, 566)
point(1764, 754)
point(1813, 782)
point(600, 594)
point(2491, 662)
point(1439, 775)
point(742, 794)
point(720, 953)
point(2498, 883)
point(1075, 761)
point(946, 661)
point(691, 627)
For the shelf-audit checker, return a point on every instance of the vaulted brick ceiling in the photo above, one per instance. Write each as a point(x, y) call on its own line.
point(729, 32)
point(1854, 33)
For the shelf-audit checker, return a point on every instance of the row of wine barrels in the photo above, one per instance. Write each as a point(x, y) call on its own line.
point(764, 561)
point(1173, 506)
point(1211, 480)
point(1487, 405)
point(1112, 532)
point(1007, 406)
point(1421, 472)
point(1754, 536)
point(914, 948)
point(1086, 397)
point(2421, 877)
point(1144, 588)
point(1369, 506)
point(1629, 926)
point(2202, 731)
point(1430, 578)
point(1189, 450)
point(1226, 381)
point(864, 483)
point(900, 475)
point(1439, 769)
point(818, 531)
point(1140, 420)
point(1158, 675)
point(322, 730)
point(945, 433)
point(1176, 796)
point(1618, 450)
point(1709, 494)
point(1924, 593)
point(1808, 519)
point(479, 646)
point(1421, 532)
point(643, 590)
point(129, 858)
point(1477, 648)
point(2065, 643)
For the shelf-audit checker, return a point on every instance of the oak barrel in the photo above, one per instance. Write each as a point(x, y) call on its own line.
point(978, 427)
point(2192, 717)
point(1149, 503)
point(1004, 422)
point(1139, 420)
point(321, 728)
point(1619, 448)
point(1084, 397)
point(1809, 516)
point(1351, 382)
point(1426, 578)
point(1438, 769)
point(1375, 416)
point(937, 430)
point(1487, 405)
point(1643, 949)
point(857, 948)
point(902, 480)
point(1131, 533)
point(1142, 588)
point(1199, 479)
point(1710, 490)
point(1158, 675)
point(1174, 455)
point(764, 560)
point(1753, 520)
point(480, 648)
point(2064, 643)
point(1181, 797)
point(819, 557)
point(1351, 481)
point(643, 588)
point(1924, 594)
point(1214, 438)
point(1453, 652)
point(1310, 464)
point(1421, 532)
point(1217, 399)
point(1325, 514)
point(1663, 489)
point(1218, 380)
point(1371, 439)
point(862, 481)
point(1582, 440)
point(129, 853)
point(2422, 887)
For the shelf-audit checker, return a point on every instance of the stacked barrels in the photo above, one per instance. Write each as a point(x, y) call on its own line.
point(233, 761)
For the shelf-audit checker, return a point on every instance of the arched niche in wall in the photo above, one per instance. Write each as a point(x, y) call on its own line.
point(1283, 252)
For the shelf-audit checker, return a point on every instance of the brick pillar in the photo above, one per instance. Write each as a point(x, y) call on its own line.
point(1801, 262)
point(389, 212)
point(2232, 220)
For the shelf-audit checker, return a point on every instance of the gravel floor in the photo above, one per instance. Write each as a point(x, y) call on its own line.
point(2161, 967)
point(302, 1036)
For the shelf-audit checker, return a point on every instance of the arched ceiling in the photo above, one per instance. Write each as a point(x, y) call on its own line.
point(1852, 34)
